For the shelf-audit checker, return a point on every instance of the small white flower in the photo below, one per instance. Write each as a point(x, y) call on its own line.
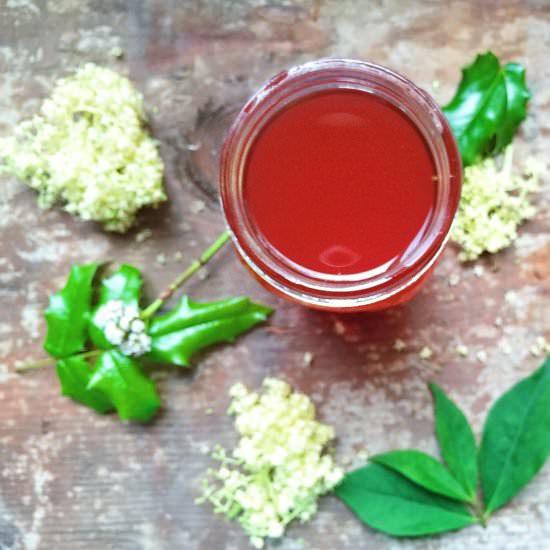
point(137, 326)
point(462, 350)
point(125, 322)
point(257, 542)
point(399, 345)
point(481, 356)
point(478, 270)
point(145, 341)
point(126, 349)
point(335, 476)
point(276, 529)
point(113, 333)
point(425, 353)
point(224, 473)
point(131, 310)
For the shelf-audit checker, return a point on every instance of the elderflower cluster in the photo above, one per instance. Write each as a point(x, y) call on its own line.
point(88, 148)
point(123, 327)
point(279, 467)
point(494, 203)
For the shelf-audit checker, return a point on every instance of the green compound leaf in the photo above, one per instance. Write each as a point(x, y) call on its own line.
point(424, 470)
point(121, 380)
point(74, 374)
point(516, 439)
point(68, 313)
point(456, 441)
point(191, 326)
point(389, 502)
point(488, 107)
point(124, 285)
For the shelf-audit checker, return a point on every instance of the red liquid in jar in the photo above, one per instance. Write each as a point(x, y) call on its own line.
point(340, 182)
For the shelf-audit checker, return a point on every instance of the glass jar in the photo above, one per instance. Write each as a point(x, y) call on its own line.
point(340, 292)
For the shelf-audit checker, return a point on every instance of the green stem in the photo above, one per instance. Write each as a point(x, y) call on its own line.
point(205, 257)
point(483, 520)
point(478, 512)
point(53, 360)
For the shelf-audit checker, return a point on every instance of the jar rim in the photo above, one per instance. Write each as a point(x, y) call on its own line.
point(302, 284)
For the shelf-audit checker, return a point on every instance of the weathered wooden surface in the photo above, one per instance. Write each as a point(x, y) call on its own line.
point(70, 479)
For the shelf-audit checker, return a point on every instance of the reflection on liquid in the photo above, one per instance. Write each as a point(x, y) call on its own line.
point(412, 252)
point(339, 256)
point(342, 120)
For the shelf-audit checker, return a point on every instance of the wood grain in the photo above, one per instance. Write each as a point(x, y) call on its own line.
point(73, 480)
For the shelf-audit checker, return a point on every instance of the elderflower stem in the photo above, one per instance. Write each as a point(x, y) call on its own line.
point(53, 360)
point(508, 161)
point(167, 293)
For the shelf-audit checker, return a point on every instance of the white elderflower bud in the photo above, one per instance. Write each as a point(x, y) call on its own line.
point(126, 348)
point(125, 322)
point(144, 340)
point(276, 529)
point(138, 326)
point(425, 353)
point(131, 310)
point(280, 461)
point(123, 327)
point(334, 476)
point(113, 333)
point(238, 390)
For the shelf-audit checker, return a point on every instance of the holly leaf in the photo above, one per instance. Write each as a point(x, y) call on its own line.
point(74, 375)
point(191, 326)
point(456, 441)
point(389, 502)
point(121, 380)
point(124, 285)
point(424, 470)
point(488, 107)
point(516, 439)
point(68, 313)
point(517, 95)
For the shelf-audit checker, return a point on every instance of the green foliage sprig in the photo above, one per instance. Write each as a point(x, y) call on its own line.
point(104, 372)
point(409, 493)
point(489, 105)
